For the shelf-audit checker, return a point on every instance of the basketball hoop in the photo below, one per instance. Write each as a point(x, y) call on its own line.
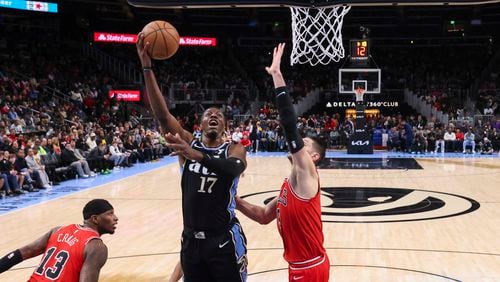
point(317, 34)
point(360, 92)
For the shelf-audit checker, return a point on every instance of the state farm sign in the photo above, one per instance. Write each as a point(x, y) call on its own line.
point(115, 37)
point(126, 95)
point(198, 41)
point(132, 38)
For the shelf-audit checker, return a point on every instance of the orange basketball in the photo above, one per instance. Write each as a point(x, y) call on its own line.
point(163, 39)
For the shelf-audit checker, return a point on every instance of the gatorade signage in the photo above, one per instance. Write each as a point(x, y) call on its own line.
point(126, 95)
point(132, 38)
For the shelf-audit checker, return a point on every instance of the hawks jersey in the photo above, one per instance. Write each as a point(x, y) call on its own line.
point(64, 255)
point(208, 201)
point(299, 224)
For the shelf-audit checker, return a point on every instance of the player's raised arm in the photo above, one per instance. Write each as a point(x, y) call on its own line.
point(262, 215)
point(303, 165)
point(168, 122)
point(31, 250)
point(95, 255)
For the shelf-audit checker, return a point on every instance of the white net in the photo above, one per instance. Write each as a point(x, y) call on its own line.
point(317, 34)
point(359, 95)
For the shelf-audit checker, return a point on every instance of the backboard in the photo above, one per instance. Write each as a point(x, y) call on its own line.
point(297, 3)
point(352, 79)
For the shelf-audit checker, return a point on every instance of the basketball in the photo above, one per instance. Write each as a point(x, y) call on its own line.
point(163, 39)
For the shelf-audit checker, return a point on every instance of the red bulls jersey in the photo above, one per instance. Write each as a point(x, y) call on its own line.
point(64, 256)
point(300, 226)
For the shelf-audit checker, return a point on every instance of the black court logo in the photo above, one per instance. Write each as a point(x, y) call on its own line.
point(376, 204)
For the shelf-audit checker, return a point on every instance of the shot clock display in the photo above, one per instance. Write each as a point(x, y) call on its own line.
point(360, 50)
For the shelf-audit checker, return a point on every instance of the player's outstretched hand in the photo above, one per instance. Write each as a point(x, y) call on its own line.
point(275, 65)
point(181, 147)
point(143, 50)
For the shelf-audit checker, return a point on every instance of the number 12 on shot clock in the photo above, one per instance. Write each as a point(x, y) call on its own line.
point(360, 49)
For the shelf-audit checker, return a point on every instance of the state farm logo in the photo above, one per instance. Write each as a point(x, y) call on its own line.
point(126, 95)
point(115, 37)
point(377, 204)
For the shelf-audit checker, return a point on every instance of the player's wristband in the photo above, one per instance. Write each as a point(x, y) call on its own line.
point(147, 69)
point(10, 260)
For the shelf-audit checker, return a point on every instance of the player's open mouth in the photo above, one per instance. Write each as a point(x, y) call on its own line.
point(213, 122)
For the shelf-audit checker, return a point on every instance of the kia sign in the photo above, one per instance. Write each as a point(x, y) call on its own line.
point(115, 37)
point(132, 38)
point(126, 95)
point(198, 41)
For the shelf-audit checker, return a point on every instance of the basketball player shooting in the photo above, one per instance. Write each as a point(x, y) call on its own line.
point(71, 253)
point(298, 207)
point(213, 243)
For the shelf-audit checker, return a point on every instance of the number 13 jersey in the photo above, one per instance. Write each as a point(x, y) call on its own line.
point(64, 255)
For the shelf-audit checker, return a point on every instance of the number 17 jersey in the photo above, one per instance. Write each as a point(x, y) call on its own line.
point(208, 202)
point(64, 255)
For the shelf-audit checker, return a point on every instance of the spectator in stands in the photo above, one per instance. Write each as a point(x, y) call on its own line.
point(68, 158)
point(43, 148)
point(35, 164)
point(253, 135)
point(271, 140)
point(418, 145)
point(439, 135)
point(469, 140)
point(118, 158)
point(495, 139)
point(99, 158)
point(147, 148)
point(56, 148)
point(9, 175)
point(247, 144)
point(449, 140)
point(486, 147)
point(237, 135)
point(128, 161)
point(459, 135)
point(408, 135)
point(23, 170)
point(91, 141)
point(134, 150)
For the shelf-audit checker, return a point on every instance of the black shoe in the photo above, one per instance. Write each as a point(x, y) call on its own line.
point(19, 192)
point(32, 190)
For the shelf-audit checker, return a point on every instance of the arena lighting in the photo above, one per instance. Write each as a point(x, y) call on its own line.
point(37, 6)
point(132, 38)
point(126, 95)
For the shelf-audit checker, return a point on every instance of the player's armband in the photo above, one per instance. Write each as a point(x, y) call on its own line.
point(288, 119)
point(231, 166)
point(10, 260)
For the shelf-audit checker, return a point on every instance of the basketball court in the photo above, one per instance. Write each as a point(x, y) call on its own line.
point(418, 219)
point(386, 216)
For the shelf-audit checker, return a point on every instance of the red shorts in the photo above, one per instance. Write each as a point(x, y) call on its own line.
point(315, 270)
